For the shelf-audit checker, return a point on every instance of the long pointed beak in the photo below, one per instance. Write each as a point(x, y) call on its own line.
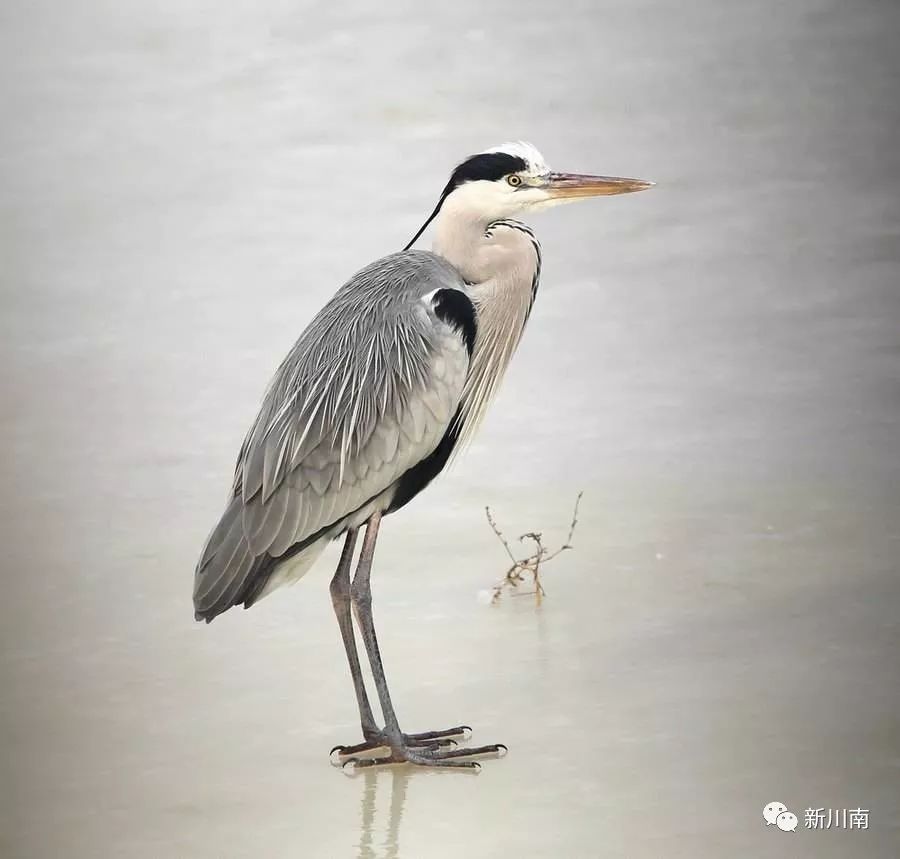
point(567, 185)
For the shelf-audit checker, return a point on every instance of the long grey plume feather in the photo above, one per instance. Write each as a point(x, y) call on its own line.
point(327, 437)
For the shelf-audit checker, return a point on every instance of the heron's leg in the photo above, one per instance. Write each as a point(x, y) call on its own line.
point(424, 749)
point(361, 595)
point(340, 599)
point(374, 738)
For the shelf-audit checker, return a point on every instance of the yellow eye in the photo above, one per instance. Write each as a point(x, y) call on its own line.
point(514, 180)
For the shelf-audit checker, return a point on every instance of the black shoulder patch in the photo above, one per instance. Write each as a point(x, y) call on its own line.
point(456, 309)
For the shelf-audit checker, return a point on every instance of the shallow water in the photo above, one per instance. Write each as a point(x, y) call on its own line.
point(714, 363)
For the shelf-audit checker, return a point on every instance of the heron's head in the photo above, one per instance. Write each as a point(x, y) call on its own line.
point(513, 178)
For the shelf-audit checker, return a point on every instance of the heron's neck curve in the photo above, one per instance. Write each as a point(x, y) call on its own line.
point(459, 239)
point(501, 263)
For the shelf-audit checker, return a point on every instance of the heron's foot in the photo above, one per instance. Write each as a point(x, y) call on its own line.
point(427, 750)
point(429, 740)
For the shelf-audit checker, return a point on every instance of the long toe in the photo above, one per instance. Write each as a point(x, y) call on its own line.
point(339, 752)
point(429, 740)
point(428, 756)
point(498, 749)
point(461, 731)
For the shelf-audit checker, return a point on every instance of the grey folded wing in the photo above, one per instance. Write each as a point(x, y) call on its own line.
point(367, 392)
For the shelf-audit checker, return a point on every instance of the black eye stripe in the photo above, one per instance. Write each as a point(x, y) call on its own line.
point(489, 166)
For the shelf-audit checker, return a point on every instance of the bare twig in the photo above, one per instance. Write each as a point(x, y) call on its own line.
point(499, 534)
point(568, 543)
point(531, 565)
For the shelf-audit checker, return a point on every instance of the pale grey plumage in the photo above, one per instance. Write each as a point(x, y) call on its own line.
point(386, 383)
point(368, 390)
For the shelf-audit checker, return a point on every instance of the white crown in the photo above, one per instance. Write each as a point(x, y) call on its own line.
point(522, 149)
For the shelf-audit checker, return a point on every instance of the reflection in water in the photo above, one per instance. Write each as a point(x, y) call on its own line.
point(399, 777)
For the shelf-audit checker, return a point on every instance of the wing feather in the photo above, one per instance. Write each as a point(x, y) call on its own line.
point(239, 578)
point(284, 539)
point(263, 520)
point(367, 392)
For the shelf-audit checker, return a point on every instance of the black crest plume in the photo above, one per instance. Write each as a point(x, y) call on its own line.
point(488, 166)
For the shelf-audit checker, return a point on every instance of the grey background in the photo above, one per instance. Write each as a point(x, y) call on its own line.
point(714, 362)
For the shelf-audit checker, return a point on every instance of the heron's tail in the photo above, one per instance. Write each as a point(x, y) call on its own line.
point(226, 566)
point(230, 573)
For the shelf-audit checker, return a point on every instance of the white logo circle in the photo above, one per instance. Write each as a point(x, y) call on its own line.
point(786, 821)
point(771, 812)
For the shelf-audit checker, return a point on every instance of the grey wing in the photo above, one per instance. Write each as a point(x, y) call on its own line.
point(368, 392)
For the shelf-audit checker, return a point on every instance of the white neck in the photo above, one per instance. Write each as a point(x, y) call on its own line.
point(459, 239)
point(500, 262)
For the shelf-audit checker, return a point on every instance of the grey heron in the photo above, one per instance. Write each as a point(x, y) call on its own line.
point(388, 381)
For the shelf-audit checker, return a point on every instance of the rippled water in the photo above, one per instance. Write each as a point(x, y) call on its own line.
point(714, 362)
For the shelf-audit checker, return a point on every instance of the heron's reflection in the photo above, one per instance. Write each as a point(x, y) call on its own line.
point(369, 833)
